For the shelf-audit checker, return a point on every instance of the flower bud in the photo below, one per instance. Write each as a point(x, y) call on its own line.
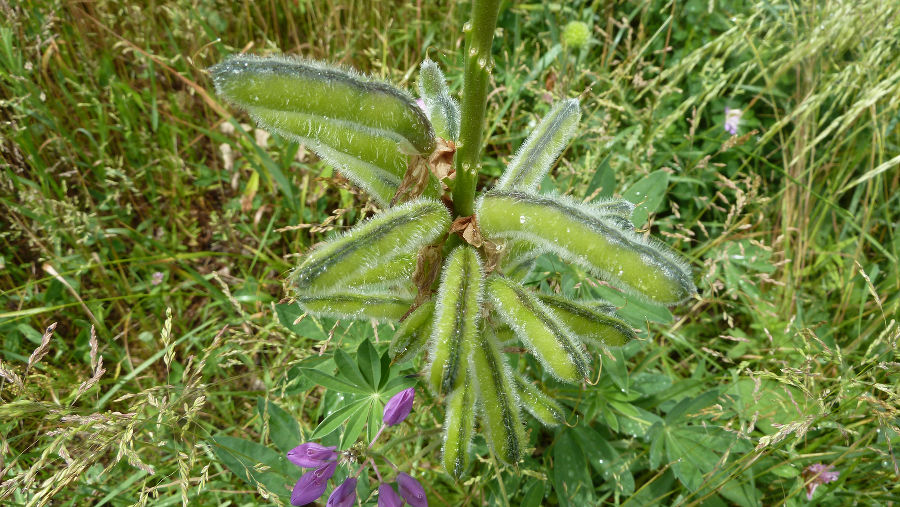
point(312, 484)
point(387, 497)
point(411, 490)
point(576, 34)
point(398, 407)
point(311, 455)
point(343, 495)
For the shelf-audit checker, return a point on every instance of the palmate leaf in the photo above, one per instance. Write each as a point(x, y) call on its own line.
point(577, 233)
point(397, 232)
point(497, 399)
point(457, 314)
point(534, 158)
point(442, 109)
point(363, 127)
point(550, 342)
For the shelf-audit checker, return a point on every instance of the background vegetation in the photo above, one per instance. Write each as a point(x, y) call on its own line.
point(133, 203)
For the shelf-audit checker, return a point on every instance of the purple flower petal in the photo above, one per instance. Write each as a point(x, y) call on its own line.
point(343, 495)
point(312, 485)
point(817, 474)
point(398, 407)
point(311, 455)
point(411, 490)
point(387, 497)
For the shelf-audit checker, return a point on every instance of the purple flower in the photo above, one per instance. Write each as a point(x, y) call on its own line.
point(411, 490)
point(157, 278)
point(343, 495)
point(311, 455)
point(387, 497)
point(816, 474)
point(732, 120)
point(398, 407)
point(312, 485)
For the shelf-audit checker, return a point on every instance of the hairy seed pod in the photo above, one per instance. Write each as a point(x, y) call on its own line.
point(397, 271)
point(498, 402)
point(356, 306)
point(552, 343)
point(519, 259)
point(575, 232)
point(442, 109)
point(587, 322)
point(399, 231)
point(363, 127)
point(412, 335)
point(457, 314)
point(458, 426)
point(544, 408)
point(537, 154)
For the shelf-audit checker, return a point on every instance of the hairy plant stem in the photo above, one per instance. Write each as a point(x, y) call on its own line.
point(477, 76)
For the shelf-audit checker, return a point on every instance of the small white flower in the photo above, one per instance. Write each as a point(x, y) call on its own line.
point(732, 120)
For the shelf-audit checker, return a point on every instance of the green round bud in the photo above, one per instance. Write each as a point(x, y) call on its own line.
point(576, 34)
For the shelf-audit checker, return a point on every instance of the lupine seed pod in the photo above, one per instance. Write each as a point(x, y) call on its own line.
point(587, 322)
point(413, 334)
point(575, 232)
point(365, 128)
point(458, 429)
point(399, 231)
point(537, 154)
point(442, 109)
point(544, 408)
point(498, 402)
point(615, 207)
point(519, 259)
point(394, 272)
point(456, 318)
point(355, 306)
point(551, 342)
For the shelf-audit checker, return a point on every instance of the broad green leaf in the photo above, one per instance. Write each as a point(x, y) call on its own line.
point(329, 382)
point(400, 231)
point(456, 318)
point(369, 363)
point(308, 327)
point(376, 414)
point(605, 460)
point(558, 350)
point(336, 418)
point(499, 405)
point(348, 369)
point(241, 456)
point(647, 194)
point(458, 429)
point(363, 127)
point(355, 425)
point(443, 110)
point(604, 180)
point(534, 496)
point(543, 146)
point(571, 478)
point(578, 234)
point(284, 431)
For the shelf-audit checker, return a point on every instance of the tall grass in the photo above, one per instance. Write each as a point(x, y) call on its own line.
point(155, 230)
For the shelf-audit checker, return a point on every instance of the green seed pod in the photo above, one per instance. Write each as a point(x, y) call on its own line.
point(551, 342)
point(442, 109)
point(576, 233)
point(544, 408)
point(499, 405)
point(399, 231)
point(391, 273)
point(587, 322)
point(363, 127)
point(458, 426)
point(356, 306)
point(412, 335)
point(518, 261)
point(457, 314)
point(534, 158)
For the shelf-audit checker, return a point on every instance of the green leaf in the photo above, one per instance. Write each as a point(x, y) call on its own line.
point(534, 497)
point(284, 431)
point(604, 179)
point(578, 234)
point(647, 194)
point(241, 456)
point(308, 327)
point(605, 460)
point(329, 382)
point(336, 418)
point(543, 146)
point(369, 363)
point(457, 314)
point(571, 479)
point(399, 231)
point(355, 425)
point(347, 368)
point(376, 415)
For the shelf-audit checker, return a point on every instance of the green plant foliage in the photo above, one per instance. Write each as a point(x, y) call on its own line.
point(413, 334)
point(398, 232)
point(458, 428)
point(577, 233)
point(457, 315)
point(543, 146)
point(355, 306)
point(443, 110)
point(498, 401)
point(540, 405)
point(588, 323)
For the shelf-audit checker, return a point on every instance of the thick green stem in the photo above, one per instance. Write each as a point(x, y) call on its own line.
point(477, 76)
